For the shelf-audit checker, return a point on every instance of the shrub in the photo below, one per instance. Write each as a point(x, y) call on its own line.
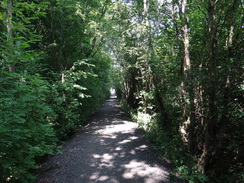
point(25, 126)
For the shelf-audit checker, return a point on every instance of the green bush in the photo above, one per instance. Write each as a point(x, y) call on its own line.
point(25, 126)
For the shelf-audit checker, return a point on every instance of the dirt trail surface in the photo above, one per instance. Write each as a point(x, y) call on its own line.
point(109, 149)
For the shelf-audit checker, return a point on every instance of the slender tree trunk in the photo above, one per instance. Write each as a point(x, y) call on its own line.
point(92, 47)
point(181, 73)
point(188, 76)
point(98, 47)
point(9, 10)
point(186, 81)
point(200, 109)
point(231, 32)
point(182, 82)
point(145, 7)
point(147, 50)
point(147, 45)
point(224, 120)
point(210, 141)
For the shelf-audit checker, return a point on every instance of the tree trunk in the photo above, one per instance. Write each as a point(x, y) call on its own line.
point(186, 81)
point(146, 6)
point(146, 70)
point(210, 142)
point(92, 47)
point(11, 67)
point(231, 32)
point(181, 55)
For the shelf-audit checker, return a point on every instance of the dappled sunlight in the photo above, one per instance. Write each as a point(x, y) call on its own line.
point(144, 119)
point(94, 176)
point(132, 152)
point(103, 178)
point(141, 147)
point(127, 148)
point(105, 157)
point(118, 149)
point(110, 130)
point(136, 168)
point(124, 141)
point(113, 151)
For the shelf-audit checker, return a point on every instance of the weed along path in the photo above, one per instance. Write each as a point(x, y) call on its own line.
point(109, 149)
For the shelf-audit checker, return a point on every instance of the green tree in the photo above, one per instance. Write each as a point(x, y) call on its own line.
point(49, 68)
point(25, 118)
point(179, 68)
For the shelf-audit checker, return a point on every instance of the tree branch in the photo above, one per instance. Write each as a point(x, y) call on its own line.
point(92, 47)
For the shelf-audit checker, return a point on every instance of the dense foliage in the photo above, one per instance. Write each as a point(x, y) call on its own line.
point(53, 76)
point(181, 75)
point(177, 68)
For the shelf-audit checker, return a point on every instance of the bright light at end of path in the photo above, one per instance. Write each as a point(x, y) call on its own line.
point(112, 91)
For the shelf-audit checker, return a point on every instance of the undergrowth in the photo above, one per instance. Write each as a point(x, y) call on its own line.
point(169, 146)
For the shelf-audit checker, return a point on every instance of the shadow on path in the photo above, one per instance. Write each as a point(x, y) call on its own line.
point(109, 149)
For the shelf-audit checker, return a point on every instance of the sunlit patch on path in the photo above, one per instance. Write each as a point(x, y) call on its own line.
point(110, 149)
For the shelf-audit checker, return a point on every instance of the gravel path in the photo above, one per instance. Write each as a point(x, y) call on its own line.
point(109, 149)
